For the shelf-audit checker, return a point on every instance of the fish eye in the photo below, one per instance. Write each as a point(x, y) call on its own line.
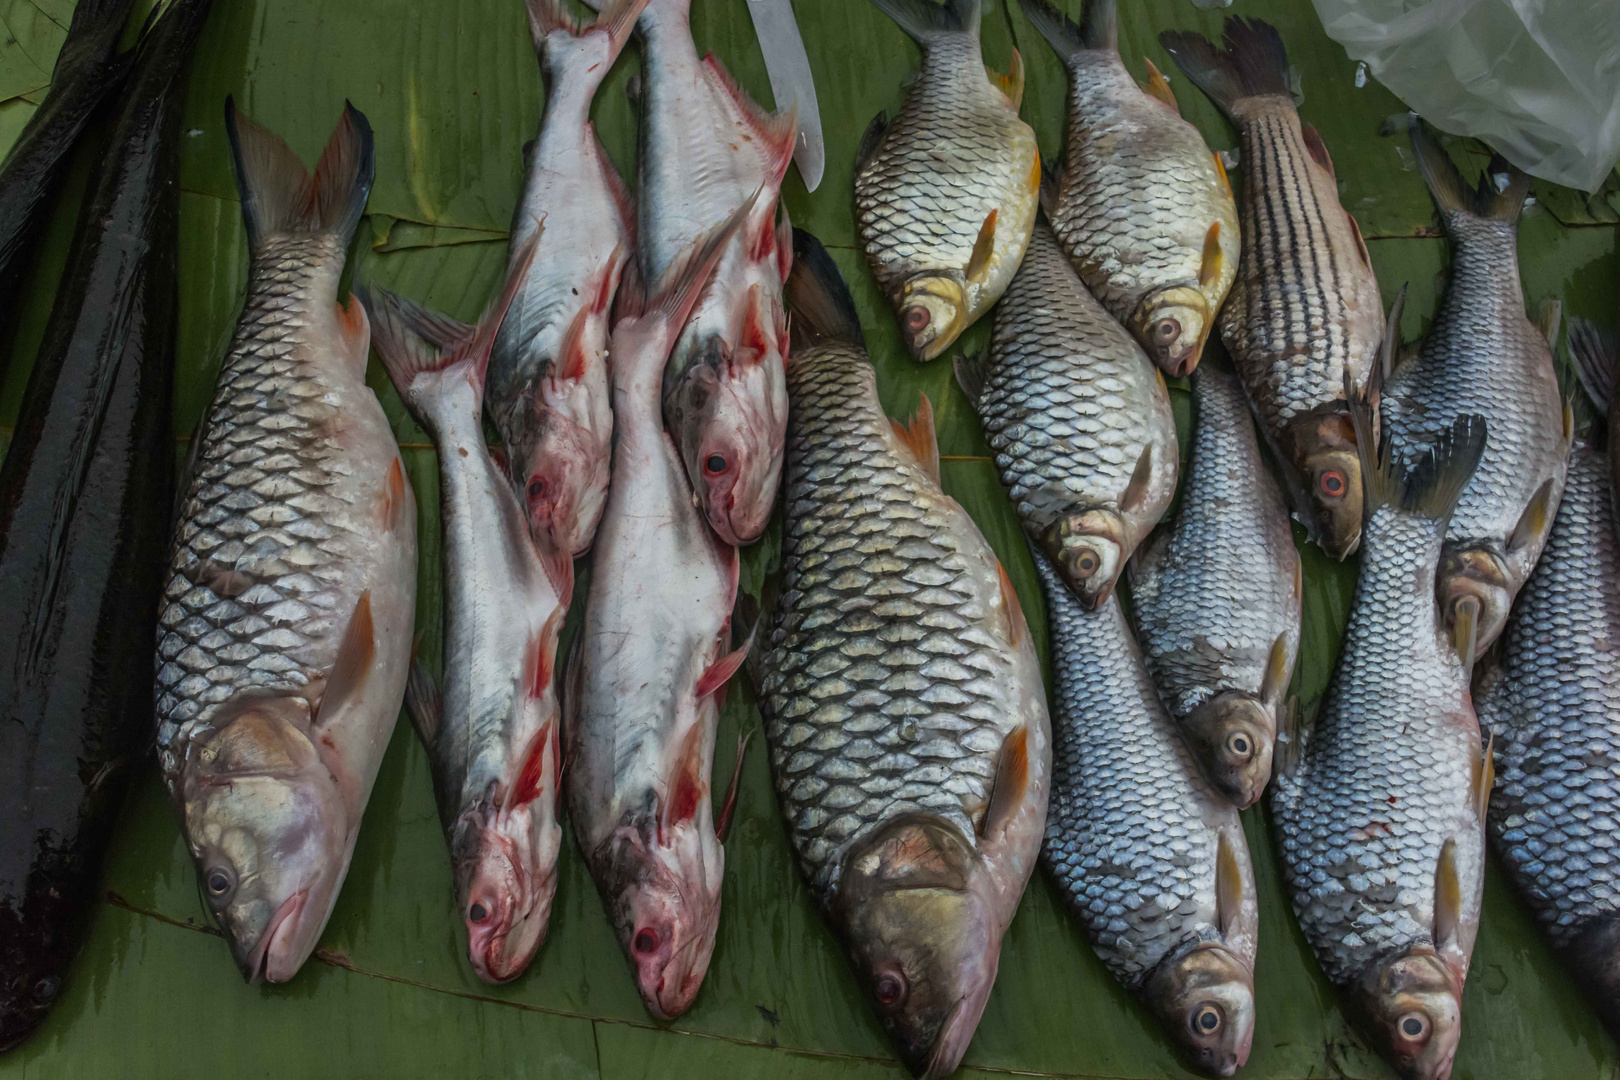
point(477, 913)
point(715, 465)
point(537, 487)
point(1239, 744)
point(1166, 331)
point(646, 941)
point(916, 318)
point(1206, 1020)
point(1087, 563)
point(1332, 484)
point(1413, 1026)
point(220, 881)
point(890, 987)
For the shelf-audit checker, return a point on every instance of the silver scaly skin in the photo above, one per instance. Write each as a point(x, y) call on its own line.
point(1483, 355)
point(1551, 706)
point(1216, 597)
point(1079, 419)
point(1304, 318)
point(285, 631)
point(945, 195)
point(1148, 855)
point(908, 730)
point(1379, 805)
point(1143, 207)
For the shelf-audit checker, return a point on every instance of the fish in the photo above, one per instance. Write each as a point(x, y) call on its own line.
point(1146, 853)
point(85, 494)
point(649, 667)
point(1144, 208)
point(706, 149)
point(492, 730)
point(909, 738)
point(1482, 355)
point(546, 389)
point(284, 636)
point(1216, 597)
point(1079, 420)
point(945, 194)
point(1304, 311)
point(1379, 803)
point(1592, 349)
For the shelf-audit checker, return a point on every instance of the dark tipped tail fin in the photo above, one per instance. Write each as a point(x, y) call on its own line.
point(1594, 353)
point(280, 196)
point(816, 294)
point(1451, 192)
point(1098, 27)
point(926, 20)
point(1253, 64)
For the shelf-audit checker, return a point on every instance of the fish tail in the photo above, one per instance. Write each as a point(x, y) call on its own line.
point(1098, 27)
point(818, 298)
point(280, 196)
point(1253, 64)
point(1594, 354)
point(561, 54)
point(927, 21)
point(1429, 483)
point(1451, 192)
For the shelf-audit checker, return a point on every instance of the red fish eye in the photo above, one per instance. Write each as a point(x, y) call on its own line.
point(537, 487)
point(890, 988)
point(916, 318)
point(646, 940)
point(715, 465)
point(1332, 483)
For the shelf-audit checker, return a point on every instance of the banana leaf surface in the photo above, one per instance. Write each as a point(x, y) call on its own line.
point(453, 91)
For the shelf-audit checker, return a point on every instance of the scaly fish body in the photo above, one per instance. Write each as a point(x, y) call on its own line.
point(1143, 207)
point(1079, 419)
point(1217, 597)
point(1304, 318)
point(285, 632)
point(945, 196)
point(909, 737)
point(1149, 856)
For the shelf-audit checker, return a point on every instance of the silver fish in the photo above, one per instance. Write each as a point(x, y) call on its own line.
point(1147, 854)
point(908, 730)
point(285, 632)
point(1304, 312)
point(650, 661)
point(1079, 419)
point(1483, 356)
point(706, 149)
point(1216, 597)
point(1380, 804)
point(1144, 208)
point(547, 390)
point(945, 195)
point(492, 734)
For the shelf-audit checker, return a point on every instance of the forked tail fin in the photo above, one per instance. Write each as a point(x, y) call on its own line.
point(547, 17)
point(816, 294)
point(279, 195)
point(1253, 64)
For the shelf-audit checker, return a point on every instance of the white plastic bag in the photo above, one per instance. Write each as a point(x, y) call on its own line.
point(1537, 80)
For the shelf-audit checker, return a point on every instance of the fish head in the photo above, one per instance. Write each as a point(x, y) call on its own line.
point(933, 313)
point(1205, 1000)
point(665, 919)
point(922, 937)
point(1476, 575)
point(1088, 548)
point(505, 882)
point(731, 420)
point(1323, 450)
point(268, 828)
point(1413, 1013)
point(558, 447)
point(1232, 734)
point(1172, 324)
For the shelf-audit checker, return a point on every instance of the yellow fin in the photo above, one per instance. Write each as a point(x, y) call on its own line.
point(1279, 666)
point(1447, 896)
point(1533, 522)
point(1465, 631)
point(1158, 86)
point(1569, 422)
point(1137, 490)
point(1220, 171)
point(1228, 887)
point(979, 262)
point(1214, 258)
point(1484, 779)
point(918, 437)
point(1010, 783)
point(1549, 314)
point(1012, 83)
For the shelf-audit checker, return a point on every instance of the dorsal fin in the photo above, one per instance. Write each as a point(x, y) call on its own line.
point(1011, 605)
point(1010, 783)
point(918, 438)
point(1157, 86)
point(1317, 148)
point(978, 264)
point(1011, 84)
point(1279, 666)
point(1534, 521)
point(347, 676)
point(1214, 258)
point(1447, 897)
point(778, 132)
point(1228, 888)
point(1136, 492)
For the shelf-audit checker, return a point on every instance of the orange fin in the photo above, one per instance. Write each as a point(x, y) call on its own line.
point(1228, 887)
point(1010, 783)
point(1447, 897)
point(687, 786)
point(527, 787)
point(1533, 522)
point(347, 676)
point(721, 671)
point(756, 340)
point(1158, 86)
point(979, 261)
point(1220, 171)
point(354, 331)
point(393, 497)
point(1317, 148)
point(1011, 605)
point(722, 827)
point(918, 437)
point(1214, 258)
point(1011, 84)
point(543, 653)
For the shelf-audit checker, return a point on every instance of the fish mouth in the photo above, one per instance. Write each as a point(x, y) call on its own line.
point(274, 958)
point(950, 1044)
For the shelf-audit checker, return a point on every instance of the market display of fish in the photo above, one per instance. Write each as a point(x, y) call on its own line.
point(649, 666)
point(1079, 419)
point(85, 495)
point(1379, 805)
point(1483, 355)
point(1149, 857)
point(547, 387)
point(1216, 597)
point(1550, 704)
point(1304, 319)
point(1143, 208)
point(910, 743)
point(706, 148)
point(285, 630)
point(491, 732)
point(945, 194)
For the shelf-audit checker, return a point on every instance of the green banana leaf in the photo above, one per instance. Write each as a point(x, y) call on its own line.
point(452, 90)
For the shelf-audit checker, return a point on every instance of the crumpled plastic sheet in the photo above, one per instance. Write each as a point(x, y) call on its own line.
point(1537, 80)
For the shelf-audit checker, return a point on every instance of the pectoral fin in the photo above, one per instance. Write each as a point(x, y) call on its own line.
point(722, 827)
point(1010, 783)
point(423, 703)
point(1011, 606)
point(1136, 492)
point(721, 671)
point(1533, 522)
point(1447, 897)
point(688, 783)
point(1548, 315)
point(870, 139)
point(347, 677)
point(1279, 666)
point(972, 372)
point(979, 262)
point(1465, 632)
point(1484, 779)
point(1214, 258)
point(1228, 888)
point(1220, 171)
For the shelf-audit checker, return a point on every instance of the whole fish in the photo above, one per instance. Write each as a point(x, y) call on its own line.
point(1304, 318)
point(707, 149)
point(85, 497)
point(1483, 356)
point(285, 632)
point(649, 665)
point(1551, 707)
point(945, 194)
point(547, 386)
point(1216, 597)
point(492, 733)
point(1147, 854)
point(1079, 419)
point(1380, 804)
point(909, 737)
point(1592, 350)
point(1144, 208)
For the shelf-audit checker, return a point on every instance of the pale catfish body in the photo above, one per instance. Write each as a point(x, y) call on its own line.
point(707, 149)
point(285, 635)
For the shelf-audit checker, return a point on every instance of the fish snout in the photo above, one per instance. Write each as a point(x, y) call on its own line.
point(932, 315)
point(282, 949)
point(1413, 1009)
point(1474, 595)
point(1088, 549)
point(1232, 735)
point(1172, 325)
